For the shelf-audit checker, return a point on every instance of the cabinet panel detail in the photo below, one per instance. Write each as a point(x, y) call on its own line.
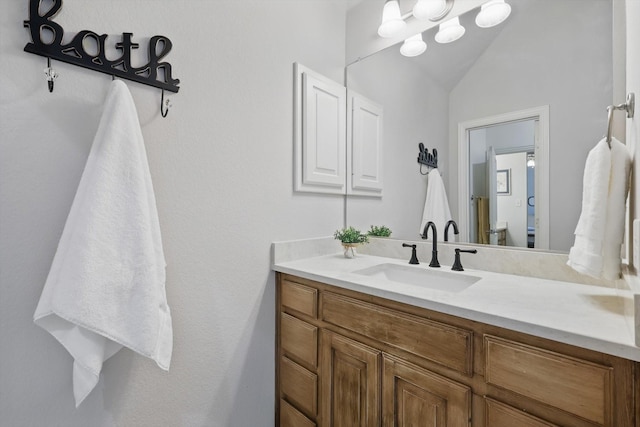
point(365, 156)
point(576, 386)
point(444, 344)
point(323, 132)
point(500, 415)
point(299, 386)
point(291, 417)
point(414, 396)
point(300, 298)
point(299, 340)
point(350, 382)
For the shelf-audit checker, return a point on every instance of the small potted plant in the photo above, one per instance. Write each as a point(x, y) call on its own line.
point(350, 239)
point(379, 231)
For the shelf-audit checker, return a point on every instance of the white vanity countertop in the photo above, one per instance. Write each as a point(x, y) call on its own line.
point(591, 317)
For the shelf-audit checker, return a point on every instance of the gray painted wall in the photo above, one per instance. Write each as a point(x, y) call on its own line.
point(632, 9)
point(221, 164)
point(553, 72)
point(414, 111)
point(218, 212)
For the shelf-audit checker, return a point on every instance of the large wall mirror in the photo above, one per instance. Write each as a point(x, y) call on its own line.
point(549, 55)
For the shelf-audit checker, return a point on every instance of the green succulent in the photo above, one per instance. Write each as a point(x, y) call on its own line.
point(350, 235)
point(381, 231)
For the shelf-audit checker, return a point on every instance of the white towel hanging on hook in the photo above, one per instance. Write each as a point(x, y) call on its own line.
point(436, 204)
point(600, 229)
point(106, 286)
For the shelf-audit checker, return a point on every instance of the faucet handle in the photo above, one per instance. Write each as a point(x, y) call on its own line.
point(414, 257)
point(457, 265)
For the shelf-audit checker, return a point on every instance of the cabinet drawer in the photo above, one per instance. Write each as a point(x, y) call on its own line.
point(299, 386)
point(301, 298)
point(444, 344)
point(299, 340)
point(576, 386)
point(500, 415)
point(291, 417)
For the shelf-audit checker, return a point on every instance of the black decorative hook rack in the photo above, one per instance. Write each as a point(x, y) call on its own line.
point(426, 158)
point(154, 73)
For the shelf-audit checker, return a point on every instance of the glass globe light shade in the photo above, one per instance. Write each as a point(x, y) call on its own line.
point(492, 13)
point(413, 46)
point(427, 9)
point(450, 31)
point(392, 22)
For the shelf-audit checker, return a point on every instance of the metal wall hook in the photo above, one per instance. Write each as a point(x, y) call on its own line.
point(164, 105)
point(156, 72)
point(428, 159)
point(628, 106)
point(51, 74)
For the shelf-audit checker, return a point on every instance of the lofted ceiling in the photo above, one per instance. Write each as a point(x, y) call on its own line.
point(448, 63)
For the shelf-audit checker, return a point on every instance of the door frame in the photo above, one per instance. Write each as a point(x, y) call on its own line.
point(541, 114)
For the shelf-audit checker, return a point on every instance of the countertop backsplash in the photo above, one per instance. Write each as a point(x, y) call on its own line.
point(497, 259)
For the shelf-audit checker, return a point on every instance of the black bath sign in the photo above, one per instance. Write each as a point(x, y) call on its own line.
point(47, 35)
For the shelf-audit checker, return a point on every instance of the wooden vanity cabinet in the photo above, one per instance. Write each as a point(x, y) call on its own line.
point(356, 360)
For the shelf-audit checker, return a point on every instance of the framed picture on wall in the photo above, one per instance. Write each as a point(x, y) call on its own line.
point(503, 181)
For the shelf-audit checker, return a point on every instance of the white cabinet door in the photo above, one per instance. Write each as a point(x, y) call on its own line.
point(320, 133)
point(365, 133)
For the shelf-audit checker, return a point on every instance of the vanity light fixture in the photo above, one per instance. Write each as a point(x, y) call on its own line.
point(392, 22)
point(492, 13)
point(433, 10)
point(450, 31)
point(531, 160)
point(413, 46)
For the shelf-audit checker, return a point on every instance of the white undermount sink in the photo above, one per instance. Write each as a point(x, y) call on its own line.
point(420, 276)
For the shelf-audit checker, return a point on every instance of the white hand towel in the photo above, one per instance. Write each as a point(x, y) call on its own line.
point(106, 286)
point(600, 229)
point(436, 204)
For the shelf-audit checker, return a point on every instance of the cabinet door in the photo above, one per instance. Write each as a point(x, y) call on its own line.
point(415, 397)
point(365, 156)
point(320, 133)
point(349, 382)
